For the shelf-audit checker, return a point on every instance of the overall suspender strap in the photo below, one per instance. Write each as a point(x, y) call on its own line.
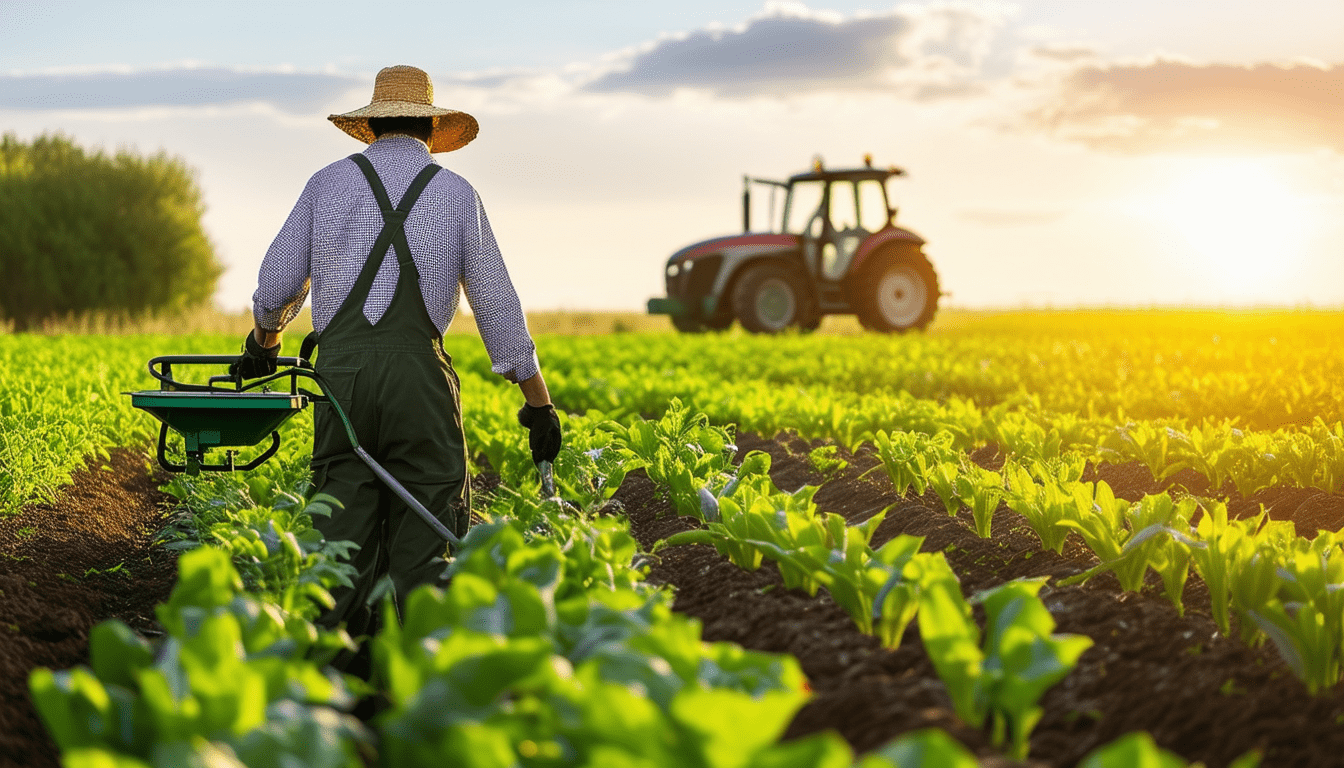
point(393, 234)
point(394, 219)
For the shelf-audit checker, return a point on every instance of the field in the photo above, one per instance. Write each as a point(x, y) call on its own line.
point(1065, 538)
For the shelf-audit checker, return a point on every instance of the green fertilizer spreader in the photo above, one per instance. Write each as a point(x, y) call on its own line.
point(227, 413)
point(223, 413)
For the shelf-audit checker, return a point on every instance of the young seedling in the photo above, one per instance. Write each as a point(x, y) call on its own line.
point(942, 478)
point(1019, 660)
point(981, 490)
point(1043, 506)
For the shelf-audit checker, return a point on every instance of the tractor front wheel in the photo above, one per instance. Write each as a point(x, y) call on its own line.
point(716, 322)
point(687, 324)
point(769, 298)
point(896, 291)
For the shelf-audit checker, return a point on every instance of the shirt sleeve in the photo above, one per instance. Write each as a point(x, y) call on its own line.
point(282, 283)
point(493, 300)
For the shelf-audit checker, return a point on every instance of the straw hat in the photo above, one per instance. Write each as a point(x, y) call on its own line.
point(403, 91)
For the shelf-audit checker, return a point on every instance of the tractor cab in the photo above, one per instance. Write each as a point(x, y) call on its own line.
point(830, 246)
point(834, 212)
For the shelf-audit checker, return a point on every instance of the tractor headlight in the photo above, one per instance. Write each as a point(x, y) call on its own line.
point(673, 270)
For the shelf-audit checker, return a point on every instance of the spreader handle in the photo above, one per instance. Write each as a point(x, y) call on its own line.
point(161, 368)
point(219, 360)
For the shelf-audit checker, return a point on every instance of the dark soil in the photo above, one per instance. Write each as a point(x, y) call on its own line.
point(1201, 695)
point(65, 567)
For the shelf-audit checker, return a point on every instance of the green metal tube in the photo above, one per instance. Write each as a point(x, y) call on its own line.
point(397, 488)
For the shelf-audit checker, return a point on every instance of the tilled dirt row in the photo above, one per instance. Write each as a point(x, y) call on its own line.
point(1201, 695)
point(65, 567)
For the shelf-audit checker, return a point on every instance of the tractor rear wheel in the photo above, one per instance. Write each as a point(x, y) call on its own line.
point(770, 298)
point(896, 291)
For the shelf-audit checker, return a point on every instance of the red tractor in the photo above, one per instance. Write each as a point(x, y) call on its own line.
point(834, 249)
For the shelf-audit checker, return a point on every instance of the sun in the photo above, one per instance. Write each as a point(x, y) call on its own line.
point(1242, 226)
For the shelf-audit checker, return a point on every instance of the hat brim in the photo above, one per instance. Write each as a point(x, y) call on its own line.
point(452, 129)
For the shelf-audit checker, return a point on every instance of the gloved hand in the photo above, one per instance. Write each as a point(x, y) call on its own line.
point(256, 360)
point(543, 425)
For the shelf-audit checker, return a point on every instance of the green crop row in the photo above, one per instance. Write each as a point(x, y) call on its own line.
point(1031, 388)
point(1266, 372)
point(546, 649)
point(996, 681)
point(1310, 455)
point(61, 402)
point(1282, 587)
point(747, 519)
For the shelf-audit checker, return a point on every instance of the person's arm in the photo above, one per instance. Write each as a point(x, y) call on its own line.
point(282, 287)
point(283, 280)
point(534, 390)
point(266, 338)
point(494, 302)
point(503, 328)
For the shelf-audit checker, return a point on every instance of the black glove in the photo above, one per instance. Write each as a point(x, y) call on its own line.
point(256, 360)
point(543, 425)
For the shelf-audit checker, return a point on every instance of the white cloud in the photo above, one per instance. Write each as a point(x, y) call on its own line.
point(174, 86)
point(923, 52)
point(1165, 104)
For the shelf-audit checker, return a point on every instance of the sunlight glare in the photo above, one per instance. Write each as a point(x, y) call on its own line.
point(1242, 222)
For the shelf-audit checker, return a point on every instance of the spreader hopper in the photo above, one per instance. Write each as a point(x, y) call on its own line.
point(211, 416)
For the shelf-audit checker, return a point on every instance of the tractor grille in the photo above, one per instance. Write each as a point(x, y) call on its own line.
point(701, 279)
point(697, 281)
point(676, 284)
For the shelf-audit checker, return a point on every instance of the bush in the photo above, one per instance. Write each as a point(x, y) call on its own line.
point(86, 231)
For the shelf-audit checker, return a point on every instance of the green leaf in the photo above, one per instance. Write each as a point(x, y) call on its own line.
point(732, 726)
point(952, 641)
point(823, 750)
point(1133, 750)
point(116, 652)
point(697, 536)
point(927, 748)
point(98, 757)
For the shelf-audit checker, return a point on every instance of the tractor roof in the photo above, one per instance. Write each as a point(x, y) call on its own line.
point(855, 174)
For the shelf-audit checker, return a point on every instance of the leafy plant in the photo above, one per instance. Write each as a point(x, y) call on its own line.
point(1045, 507)
point(907, 456)
point(681, 452)
point(981, 490)
point(1019, 660)
point(942, 478)
point(244, 677)
point(1129, 539)
point(823, 458)
point(1305, 620)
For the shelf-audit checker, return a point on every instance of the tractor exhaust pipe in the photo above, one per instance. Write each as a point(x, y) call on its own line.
point(746, 204)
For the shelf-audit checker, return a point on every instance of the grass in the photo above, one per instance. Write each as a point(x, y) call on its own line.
point(216, 321)
point(950, 320)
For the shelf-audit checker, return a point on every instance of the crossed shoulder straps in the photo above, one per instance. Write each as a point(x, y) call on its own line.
point(403, 208)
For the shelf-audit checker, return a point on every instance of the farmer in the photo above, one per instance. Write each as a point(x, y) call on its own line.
point(385, 287)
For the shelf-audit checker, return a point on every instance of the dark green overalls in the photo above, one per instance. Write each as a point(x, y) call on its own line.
point(397, 385)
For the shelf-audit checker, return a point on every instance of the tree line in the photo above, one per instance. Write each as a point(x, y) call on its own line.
point(85, 230)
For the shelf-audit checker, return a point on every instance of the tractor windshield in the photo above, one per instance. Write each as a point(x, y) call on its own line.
point(873, 213)
point(803, 206)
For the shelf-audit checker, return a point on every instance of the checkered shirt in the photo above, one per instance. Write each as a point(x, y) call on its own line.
point(331, 230)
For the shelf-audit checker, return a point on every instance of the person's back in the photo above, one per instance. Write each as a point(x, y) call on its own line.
point(384, 239)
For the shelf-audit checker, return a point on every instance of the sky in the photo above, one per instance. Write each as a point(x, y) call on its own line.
point(1059, 153)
